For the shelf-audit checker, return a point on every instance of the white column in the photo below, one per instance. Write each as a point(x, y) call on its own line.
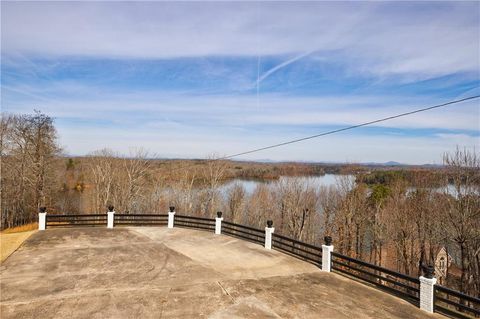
point(218, 225)
point(110, 217)
point(326, 257)
point(42, 219)
point(427, 292)
point(268, 237)
point(171, 216)
point(327, 249)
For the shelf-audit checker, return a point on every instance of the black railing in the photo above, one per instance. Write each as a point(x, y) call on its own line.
point(456, 304)
point(140, 219)
point(397, 283)
point(244, 232)
point(306, 252)
point(194, 222)
point(53, 220)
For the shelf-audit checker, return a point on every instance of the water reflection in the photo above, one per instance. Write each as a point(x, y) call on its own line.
point(314, 181)
point(317, 181)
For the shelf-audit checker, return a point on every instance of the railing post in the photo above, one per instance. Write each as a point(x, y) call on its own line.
point(268, 234)
point(427, 289)
point(110, 216)
point(42, 218)
point(327, 254)
point(171, 216)
point(218, 223)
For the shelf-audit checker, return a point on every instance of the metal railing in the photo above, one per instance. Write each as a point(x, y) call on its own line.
point(140, 219)
point(244, 232)
point(53, 220)
point(456, 304)
point(195, 222)
point(298, 249)
point(397, 283)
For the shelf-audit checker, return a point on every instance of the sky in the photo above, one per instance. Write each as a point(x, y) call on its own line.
point(191, 79)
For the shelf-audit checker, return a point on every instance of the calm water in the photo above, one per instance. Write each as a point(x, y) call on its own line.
point(315, 181)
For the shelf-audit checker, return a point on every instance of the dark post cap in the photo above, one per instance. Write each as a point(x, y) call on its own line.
point(110, 208)
point(429, 271)
point(219, 214)
point(172, 209)
point(328, 240)
point(42, 209)
point(269, 223)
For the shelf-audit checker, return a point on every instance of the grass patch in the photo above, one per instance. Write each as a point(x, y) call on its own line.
point(22, 228)
point(12, 238)
point(10, 242)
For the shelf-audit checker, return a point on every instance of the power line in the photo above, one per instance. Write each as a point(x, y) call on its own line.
point(342, 129)
point(350, 127)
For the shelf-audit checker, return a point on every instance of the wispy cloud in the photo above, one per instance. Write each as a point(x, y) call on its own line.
point(380, 38)
point(181, 78)
point(145, 106)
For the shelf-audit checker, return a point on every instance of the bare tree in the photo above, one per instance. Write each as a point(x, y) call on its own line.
point(29, 148)
point(131, 180)
point(259, 208)
point(236, 201)
point(329, 202)
point(350, 214)
point(213, 175)
point(181, 191)
point(463, 213)
point(102, 167)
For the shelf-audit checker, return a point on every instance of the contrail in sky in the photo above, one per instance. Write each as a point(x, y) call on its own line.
point(282, 65)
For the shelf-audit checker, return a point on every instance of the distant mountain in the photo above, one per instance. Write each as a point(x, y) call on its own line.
point(377, 164)
point(393, 163)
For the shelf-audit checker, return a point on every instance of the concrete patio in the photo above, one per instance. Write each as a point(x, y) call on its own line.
point(155, 272)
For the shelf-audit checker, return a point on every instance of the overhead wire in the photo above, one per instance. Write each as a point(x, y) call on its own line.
point(337, 130)
point(349, 127)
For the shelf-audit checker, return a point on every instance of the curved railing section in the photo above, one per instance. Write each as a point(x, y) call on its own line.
point(298, 249)
point(195, 222)
point(456, 304)
point(392, 281)
point(244, 232)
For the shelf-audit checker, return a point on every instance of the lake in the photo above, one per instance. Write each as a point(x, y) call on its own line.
point(316, 181)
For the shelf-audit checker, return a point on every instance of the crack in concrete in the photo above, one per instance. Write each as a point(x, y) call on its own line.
point(225, 291)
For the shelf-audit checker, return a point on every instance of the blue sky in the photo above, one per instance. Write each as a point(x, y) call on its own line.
point(188, 79)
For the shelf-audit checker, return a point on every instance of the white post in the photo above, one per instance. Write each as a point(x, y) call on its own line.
point(268, 234)
point(110, 216)
point(427, 290)
point(42, 218)
point(218, 223)
point(171, 216)
point(327, 254)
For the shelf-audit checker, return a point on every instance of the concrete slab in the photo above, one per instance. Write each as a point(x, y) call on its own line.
point(222, 254)
point(176, 273)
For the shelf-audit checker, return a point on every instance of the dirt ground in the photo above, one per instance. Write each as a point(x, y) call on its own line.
point(176, 273)
point(10, 242)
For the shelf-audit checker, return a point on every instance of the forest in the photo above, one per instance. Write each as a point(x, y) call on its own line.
point(397, 217)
